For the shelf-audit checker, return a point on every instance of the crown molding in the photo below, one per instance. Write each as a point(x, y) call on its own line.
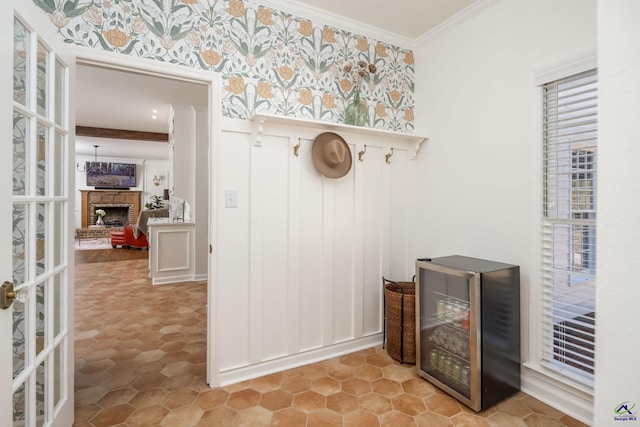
point(454, 21)
point(334, 20)
point(575, 64)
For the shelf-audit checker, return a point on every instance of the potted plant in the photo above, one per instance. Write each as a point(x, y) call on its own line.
point(155, 203)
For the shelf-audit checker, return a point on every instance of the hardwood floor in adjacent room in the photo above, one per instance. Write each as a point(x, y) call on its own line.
point(140, 353)
point(109, 255)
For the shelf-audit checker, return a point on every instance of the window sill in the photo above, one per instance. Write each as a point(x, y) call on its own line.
point(561, 393)
point(578, 386)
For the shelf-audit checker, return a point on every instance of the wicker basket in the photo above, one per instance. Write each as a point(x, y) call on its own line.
point(400, 320)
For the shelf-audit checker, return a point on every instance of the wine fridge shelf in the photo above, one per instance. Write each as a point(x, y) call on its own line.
point(451, 339)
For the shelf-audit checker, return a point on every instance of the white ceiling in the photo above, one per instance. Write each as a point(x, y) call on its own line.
point(407, 18)
point(114, 99)
point(117, 99)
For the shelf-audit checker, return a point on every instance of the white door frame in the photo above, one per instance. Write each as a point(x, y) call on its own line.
point(213, 80)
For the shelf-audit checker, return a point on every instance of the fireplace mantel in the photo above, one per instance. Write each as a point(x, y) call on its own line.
point(106, 198)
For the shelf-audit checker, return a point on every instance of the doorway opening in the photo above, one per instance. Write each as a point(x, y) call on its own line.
point(156, 357)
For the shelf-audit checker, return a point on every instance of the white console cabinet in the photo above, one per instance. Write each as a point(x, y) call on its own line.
point(171, 251)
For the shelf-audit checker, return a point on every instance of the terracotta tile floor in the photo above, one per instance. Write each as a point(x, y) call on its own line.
point(140, 361)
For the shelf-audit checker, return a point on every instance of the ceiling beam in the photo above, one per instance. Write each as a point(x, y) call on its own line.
point(121, 134)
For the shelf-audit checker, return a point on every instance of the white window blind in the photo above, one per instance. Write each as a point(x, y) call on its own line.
point(569, 173)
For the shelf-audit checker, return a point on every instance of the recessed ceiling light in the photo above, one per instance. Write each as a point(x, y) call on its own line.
point(154, 111)
point(154, 117)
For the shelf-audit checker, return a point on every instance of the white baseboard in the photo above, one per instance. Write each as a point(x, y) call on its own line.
point(173, 279)
point(243, 373)
point(557, 394)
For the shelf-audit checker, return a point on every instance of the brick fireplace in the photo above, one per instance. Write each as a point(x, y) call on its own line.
point(122, 206)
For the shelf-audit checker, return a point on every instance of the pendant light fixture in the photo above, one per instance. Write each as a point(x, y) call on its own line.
point(94, 167)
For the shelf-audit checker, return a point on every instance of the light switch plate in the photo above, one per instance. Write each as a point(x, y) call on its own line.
point(230, 199)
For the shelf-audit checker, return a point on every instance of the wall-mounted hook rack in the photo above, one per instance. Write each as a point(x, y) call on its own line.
point(361, 153)
point(296, 148)
point(387, 157)
point(261, 119)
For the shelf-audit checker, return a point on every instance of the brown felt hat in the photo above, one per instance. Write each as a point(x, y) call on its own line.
point(331, 155)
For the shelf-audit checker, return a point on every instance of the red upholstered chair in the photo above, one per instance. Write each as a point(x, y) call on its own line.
point(131, 241)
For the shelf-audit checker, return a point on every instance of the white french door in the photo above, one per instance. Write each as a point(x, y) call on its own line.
point(36, 383)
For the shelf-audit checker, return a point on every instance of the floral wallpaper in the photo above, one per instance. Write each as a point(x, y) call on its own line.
point(270, 61)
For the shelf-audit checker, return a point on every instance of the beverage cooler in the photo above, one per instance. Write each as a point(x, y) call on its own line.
point(468, 328)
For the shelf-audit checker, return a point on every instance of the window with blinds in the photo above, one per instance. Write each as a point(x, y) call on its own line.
point(570, 160)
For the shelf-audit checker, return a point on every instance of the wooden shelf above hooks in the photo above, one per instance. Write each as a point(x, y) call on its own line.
point(261, 119)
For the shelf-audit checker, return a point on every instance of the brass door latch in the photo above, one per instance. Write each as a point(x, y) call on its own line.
point(7, 295)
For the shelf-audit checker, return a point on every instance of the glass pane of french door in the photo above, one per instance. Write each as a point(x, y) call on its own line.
point(40, 206)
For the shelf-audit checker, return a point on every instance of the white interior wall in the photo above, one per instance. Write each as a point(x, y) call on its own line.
point(189, 160)
point(183, 129)
point(201, 211)
point(151, 168)
point(298, 276)
point(617, 293)
point(478, 177)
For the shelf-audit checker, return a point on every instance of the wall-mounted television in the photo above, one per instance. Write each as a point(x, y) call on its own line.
point(110, 175)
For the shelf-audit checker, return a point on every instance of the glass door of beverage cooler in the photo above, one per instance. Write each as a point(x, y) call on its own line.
point(449, 350)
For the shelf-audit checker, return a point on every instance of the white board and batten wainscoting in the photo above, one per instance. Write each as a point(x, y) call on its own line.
point(299, 257)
